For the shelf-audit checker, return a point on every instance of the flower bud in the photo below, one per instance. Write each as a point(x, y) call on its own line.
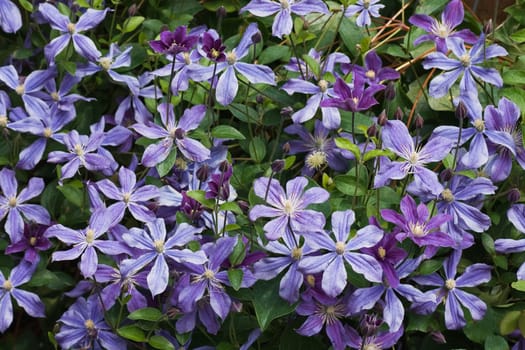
point(286, 111)
point(390, 91)
point(382, 118)
point(461, 110)
point(223, 167)
point(245, 207)
point(259, 99)
point(398, 114)
point(221, 12)
point(514, 195)
point(419, 121)
point(372, 130)
point(203, 173)
point(446, 175)
point(286, 148)
point(277, 165)
point(132, 10)
point(488, 27)
point(438, 337)
point(256, 38)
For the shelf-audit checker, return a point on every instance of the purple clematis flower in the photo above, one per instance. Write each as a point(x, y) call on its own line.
point(516, 215)
point(373, 71)
point(288, 209)
point(81, 150)
point(83, 326)
point(469, 63)
point(282, 24)
point(83, 45)
point(354, 97)
point(366, 10)
point(31, 243)
point(415, 223)
point(174, 42)
point(10, 17)
point(132, 106)
point(85, 241)
point(439, 31)
point(12, 204)
point(171, 133)
point(449, 290)
point(396, 138)
point(326, 311)
point(157, 249)
point(129, 196)
point(341, 250)
point(30, 302)
point(381, 340)
point(228, 84)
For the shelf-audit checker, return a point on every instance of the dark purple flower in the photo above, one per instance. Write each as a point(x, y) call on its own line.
point(31, 243)
point(288, 208)
point(12, 204)
point(83, 326)
point(282, 24)
point(213, 47)
point(438, 31)
point(352, 97)
point(30, 302)
point(85, 241)
point(174, 42)
point(373, 71)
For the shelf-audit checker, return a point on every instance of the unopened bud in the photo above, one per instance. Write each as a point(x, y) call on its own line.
point(245, 207)
point(398, 114)
point(164, 28)
point(514, 195)
point(419, 121)
point(256, 38)
point(223, 167)
point(446, 175)
point(438, 337)
point(382, 118)
point(488, 27)
point(277, 165)
point(461, 110)
point(390, 91)
point(286, 111)
point(221, 12)
point(286, 148)
point(203, 173)
point(372, 130)
point(132, 10)
point(259, 99)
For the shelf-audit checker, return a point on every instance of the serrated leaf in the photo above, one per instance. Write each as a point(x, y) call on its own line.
point(348, 145)
point(227, 132)
point(235, 276)
point(509, 322)
point(132, 23)
point(133, 333)
point(161, 343)
point(268, 304)
point(146, 314)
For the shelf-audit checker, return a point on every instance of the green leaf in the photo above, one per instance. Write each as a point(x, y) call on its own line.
point(377, 153)
point(479, 331)
point(161, 343)
point(274, 53)
point(312, 64)
point(496, 342)
point(257, 149)
point(26, 5)
point(164, 167)
point(350, 185)
point(518, 36)
point(231, 206)
point(146, 314)
point(430, 266)
point(521, 323)
point(70, 67)
point(73, 193)
point(509, 323)
point(213, 5)
point(55, 280)
point(133, 333)
point(268, 304)
point(518, 285)
point(227, 132)
point(132, 23)
point(488, 243)
point(200, 196)
point(346, 144)
point(514, 77)
point(243, 113)
point(238, 254)
point(235, 277)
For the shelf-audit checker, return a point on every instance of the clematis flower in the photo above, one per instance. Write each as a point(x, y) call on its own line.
point(85, 241)
point(174, 42)
point(83, 45)
point(373, 71)
point(31, 243)
point(30, 302)
point(354, 97)
point(341, 251)
point(10, 17)
point(173, 133)
point(12, 204)
point(396, 138)
point(450, 293)
point(516, 215)
point(282, 24)
point(469, 63)
point(381, 340)
point(438, 31)
point(83, 326)
point(157, 248)
point(366, 10)
point(288, 208)
point(228, 84)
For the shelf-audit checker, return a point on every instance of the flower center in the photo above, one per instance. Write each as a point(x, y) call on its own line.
point(214, 53)
point(105, 62)
point(381, 252)
point(465, 60)
point(208, 274)
point(370, 74)
point(7, 285)
point(355, 100)
point(12, 202)
point(414, 157)
point(310, 279)
point(288, 207)
point(32, 241)
point(90, 327)
point(187, 59)
point(316, 160)
point(55, 96)
point(71, 28)
point(323, 85)
point(447, 195)
point(159, 246)
point(442, 30)
point(3, 121)
point(297, 253)
point(284, 4)
point(90, 235)
point(20, 89)
point(450, 284)
point(371, 346)
point(340, 247)
point(479, 124)
point(418, 229)
point(126, 197)
point(366, 4)
point(231, 57)
point(79, 150)
point(47, 132)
